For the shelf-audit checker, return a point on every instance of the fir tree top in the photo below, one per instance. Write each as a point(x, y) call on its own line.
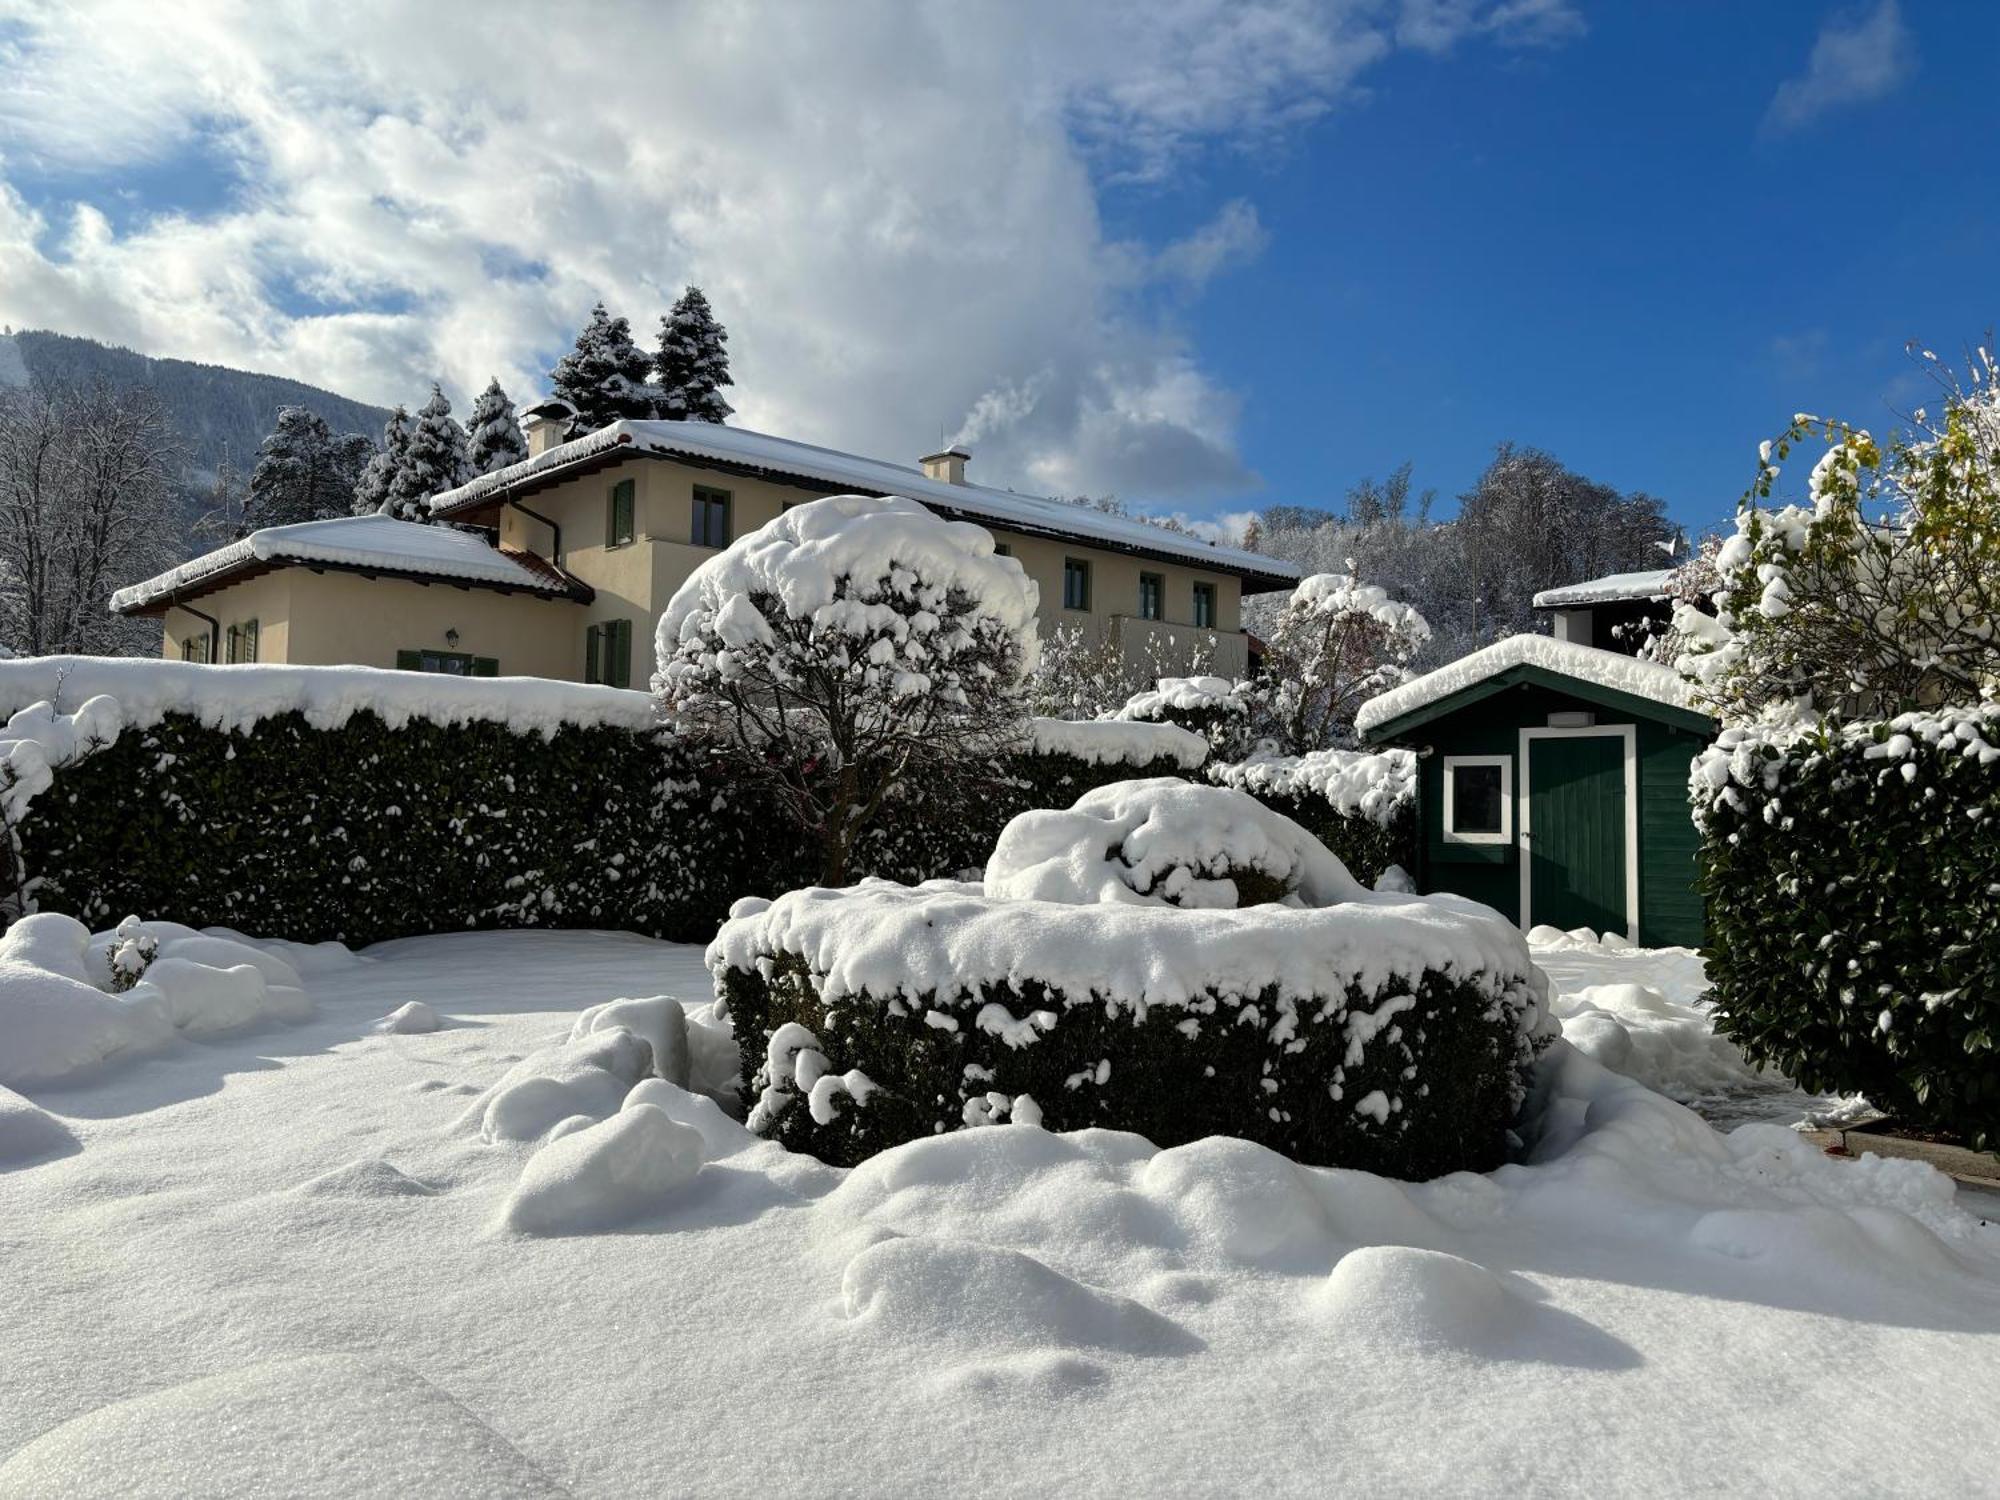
point(433, 460)
point(692, 366)
point(494, 439)
point(604, 376)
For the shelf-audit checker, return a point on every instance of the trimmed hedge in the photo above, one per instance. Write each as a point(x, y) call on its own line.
point(1852, 875)
point(1365, 846)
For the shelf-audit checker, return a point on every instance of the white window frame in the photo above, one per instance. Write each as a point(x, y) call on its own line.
point(1628, 734)
point(1506, 833)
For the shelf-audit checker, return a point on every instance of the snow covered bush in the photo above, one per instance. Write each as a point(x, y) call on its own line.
point(850, 646)
point(1085, 675)
point(1338, 642)
point(1165, 958)
point(1362, 804)
point(1852, 874)
point(1219, 710)
point(1878, 595)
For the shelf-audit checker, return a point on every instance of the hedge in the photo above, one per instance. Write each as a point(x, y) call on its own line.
point(1852, 874)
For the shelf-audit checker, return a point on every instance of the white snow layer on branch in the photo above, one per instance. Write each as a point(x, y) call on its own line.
point(837, 562)
point(239, 697)
point(1606, 669)
point(1104, 742)
point(1186, 695)
point(1371, 784)
point(1161, 842)
point(1757, 755)
point(37, 740)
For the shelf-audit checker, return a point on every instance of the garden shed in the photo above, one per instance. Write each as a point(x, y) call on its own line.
point(1552, 785)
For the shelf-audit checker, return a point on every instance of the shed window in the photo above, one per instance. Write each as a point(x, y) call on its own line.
point(619, 527)
point(1152, 597)
point(1076, 583)
point(711, 517)
point(607, 653)
point(1204, 605)
point(1478, 801)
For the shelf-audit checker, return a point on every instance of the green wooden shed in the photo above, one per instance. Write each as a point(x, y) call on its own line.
point(1552, 786)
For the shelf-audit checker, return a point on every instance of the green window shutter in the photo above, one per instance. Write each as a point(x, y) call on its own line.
point(620, 632)
point(618, 522)
point(485, 666)
point(592, 655)
point(409, 661)
point(250, 641)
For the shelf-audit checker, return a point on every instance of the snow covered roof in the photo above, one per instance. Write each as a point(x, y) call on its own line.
point(1649, 584)
point(740, 448)
point(376, 544)
point(1606, 670)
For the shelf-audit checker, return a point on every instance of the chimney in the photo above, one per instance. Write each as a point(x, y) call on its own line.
point(546, 424)
point(947, 467)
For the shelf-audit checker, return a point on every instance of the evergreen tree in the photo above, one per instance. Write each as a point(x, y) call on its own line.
point(434, 461)
point(604, 376)
point(371, 493)
point(304, 472)
point(693, 363)
point(495, 439)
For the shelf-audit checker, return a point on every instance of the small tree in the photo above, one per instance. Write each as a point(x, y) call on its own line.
point(378, 479)
point(1878, 595)
point(1081, 675)
point(845, 649)
point(692, 366)
point(604, 376)
point(304, 472)
point(493, 438)
point(433, 461)
point(1338, 642)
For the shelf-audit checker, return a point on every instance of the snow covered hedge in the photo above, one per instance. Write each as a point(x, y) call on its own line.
point(350, 803)
point(1361, 804)
point(1852, 875)
point(1166, 958)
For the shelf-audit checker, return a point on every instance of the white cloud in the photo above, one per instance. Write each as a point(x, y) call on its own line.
point(893, 203)
point(1855, 59)
point(1440, 25)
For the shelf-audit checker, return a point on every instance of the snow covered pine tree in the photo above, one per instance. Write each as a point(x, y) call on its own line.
point(371, 490)
point(304, 472)
point(433, 461)
point(604, 376)
point(494, 438)
point(693, 365)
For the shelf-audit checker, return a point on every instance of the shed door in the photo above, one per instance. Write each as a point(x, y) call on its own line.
point(1574, 831)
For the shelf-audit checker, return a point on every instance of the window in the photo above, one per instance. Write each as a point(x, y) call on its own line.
point(1002, 549)
point(450, 663)
point(1076, 583)
point(241, 643)
point(194, 648)
point(607, 653)
point(618, 523)
point(1152, 597)
point(1478, 805)
point(711, 517)
point(1204, 606)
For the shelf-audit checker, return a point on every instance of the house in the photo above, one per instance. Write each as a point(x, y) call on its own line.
point(1620, 612)
point(559, 566)
point(1552, 785)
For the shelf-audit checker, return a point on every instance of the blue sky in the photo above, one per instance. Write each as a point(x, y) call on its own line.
point(1208, 255)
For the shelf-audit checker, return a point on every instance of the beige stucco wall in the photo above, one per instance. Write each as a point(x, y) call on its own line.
point(634, 581)
point(334, 618)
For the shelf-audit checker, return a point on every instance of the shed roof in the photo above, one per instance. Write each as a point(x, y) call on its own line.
point(1651, 583)
point(1606, 677)
point(827, 469)
point(361, 544)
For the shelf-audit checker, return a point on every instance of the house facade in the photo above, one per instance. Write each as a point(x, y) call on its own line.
point(560, 566)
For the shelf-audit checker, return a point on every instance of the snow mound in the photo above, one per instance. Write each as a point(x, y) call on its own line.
point(659, 1020)
point(1374, 784)
point(1251, 1205)
point(370, 1177)
point(1399, 1296)
point(343, 1427)
point(720, 1134)
point(28, 1133)
point(588, 1076)
point(1670, 1047)
point(605, 1174)
point(925, 1291)
point(1163, 842)
point(411, 1018)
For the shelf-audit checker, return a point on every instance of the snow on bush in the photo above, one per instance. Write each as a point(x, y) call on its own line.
point(846, 647)
point(69, 1000)
point(1223, 712)
point(1107, 743)
point(1361, 804)
point(1338, 642)
point(1852, 875)
point(1386, 1030)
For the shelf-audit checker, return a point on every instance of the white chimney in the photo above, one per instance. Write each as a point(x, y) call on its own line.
point(947, 467)
point(546, 424)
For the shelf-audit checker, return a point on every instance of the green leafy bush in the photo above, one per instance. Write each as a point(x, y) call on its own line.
point(1852, 875)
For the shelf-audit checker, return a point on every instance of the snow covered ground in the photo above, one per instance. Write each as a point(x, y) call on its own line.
point(332, 1257)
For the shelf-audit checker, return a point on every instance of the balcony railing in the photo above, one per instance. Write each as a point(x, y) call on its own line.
point(1225, 653)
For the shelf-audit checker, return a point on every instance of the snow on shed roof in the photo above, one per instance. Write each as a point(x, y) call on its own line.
point(741, 447)
point(377, 543)
point(1604, 669)
point(1649, 584)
